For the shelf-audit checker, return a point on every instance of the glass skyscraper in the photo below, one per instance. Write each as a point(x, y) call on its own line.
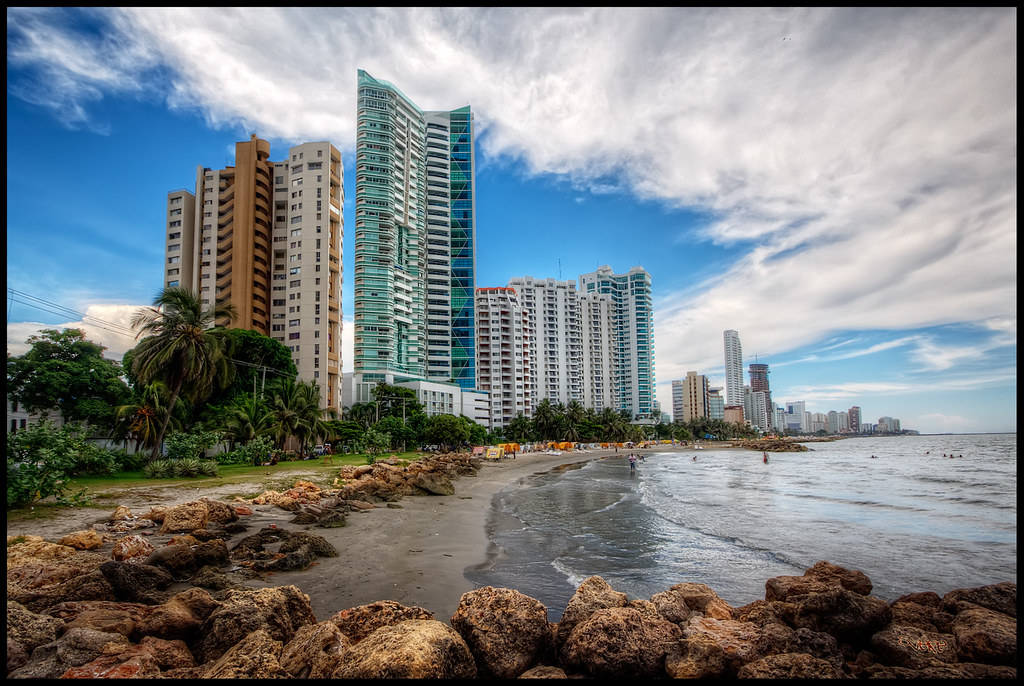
point(415, 240)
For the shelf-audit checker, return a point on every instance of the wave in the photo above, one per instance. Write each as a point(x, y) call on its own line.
point(572, 577)
point(613, 505)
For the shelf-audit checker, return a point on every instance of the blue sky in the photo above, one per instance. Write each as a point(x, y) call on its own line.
point(839, 186)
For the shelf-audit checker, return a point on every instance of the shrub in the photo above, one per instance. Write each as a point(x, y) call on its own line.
point(181, 445)
point(208, 467)
point(128, 462)
point(41, 459)
point(188, 467)
point(158, 469)
point(254, 452)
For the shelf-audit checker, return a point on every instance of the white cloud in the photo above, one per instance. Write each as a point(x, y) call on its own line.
point(866, 167)
point(112, 337)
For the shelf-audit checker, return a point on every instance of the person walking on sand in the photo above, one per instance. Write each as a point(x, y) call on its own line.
point(632, 462)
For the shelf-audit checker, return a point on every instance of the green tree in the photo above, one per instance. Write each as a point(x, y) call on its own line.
point(519, 429)
point(141, 419)
point(250, 352)
point(395, 401)
point(477, 432)
point(545, 420)
point(247, 418)
point(364, 414)
point(572, 421)
point(66, 372)
point(401, 434)
point(178, 348)
point(344, 432)
point(447, 431)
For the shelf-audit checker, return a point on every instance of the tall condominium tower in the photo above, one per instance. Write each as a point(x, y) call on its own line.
point(678, 403)
point(266, 237)
point(695, 396)
point(415, 246)
point(733, 368)
point(632, 331)
point(504, 359)
point(716, 404)
point(854, 413)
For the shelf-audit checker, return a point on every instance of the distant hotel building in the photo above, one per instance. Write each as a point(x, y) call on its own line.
point(504, 356)
point(733, 368)
point(763, 410)
point(266, 237)
point(690, 397)
point(854, 413)
point(594, 345)
point(716, 404)
point(415, 243)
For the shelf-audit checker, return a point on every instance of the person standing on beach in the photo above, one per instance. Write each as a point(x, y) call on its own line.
point(632, 462)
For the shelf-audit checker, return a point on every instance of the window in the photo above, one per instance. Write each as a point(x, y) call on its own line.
point(173, 260)
point(278, 179)
point(294, 284)
point(176, 212)
point(293, 322)
point(296, 182)
point(178, 235)
point(176, 222)
point(297, 169)
point(172, 284)
point(293, 336)
point(172, 272)
point(174, 201)
point(174, 247)
point(295, 270)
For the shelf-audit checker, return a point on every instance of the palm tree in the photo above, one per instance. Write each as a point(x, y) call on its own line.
point(313, 417)
point(519, 429)
point(141, 420)
point(246, 419)
point(179, 349)
point(287, 412)
point(573, 420)
point(545, 419)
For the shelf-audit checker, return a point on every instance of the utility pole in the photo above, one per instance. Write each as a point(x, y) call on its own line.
point(263, 386)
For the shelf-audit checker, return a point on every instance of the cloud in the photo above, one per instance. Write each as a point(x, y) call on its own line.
point(864, 170)
point(111, 335)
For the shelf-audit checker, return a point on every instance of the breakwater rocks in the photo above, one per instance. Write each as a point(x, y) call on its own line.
point(772, 446)
point(824, 624)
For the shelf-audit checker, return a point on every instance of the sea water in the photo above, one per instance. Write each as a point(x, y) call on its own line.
point(910, 519)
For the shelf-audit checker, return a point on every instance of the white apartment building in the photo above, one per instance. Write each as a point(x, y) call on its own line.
point(600, 354)
point(437, 397)
point(733, 369)
point(267, 237)
point(761, 407)
point(504, 358)
point(716, 404)
point(678, 402)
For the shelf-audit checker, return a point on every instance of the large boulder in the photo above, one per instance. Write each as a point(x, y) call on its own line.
point(359, 622)
point(213, 552)
point(101, 615)
point(621, 642)
point(279, 611)
point(122, 661)
point(903, 645)
point(180, 617)
point(790, 666)
point(505, 630)
point(697, 657)
point(434, 484)
point(1000, 597)
point(83, 540)
point(28, 630)
point(925, 617)
point(89, 586)
point(983, 635)
point(413, 649)
point(185, 517)
point(847, 615)
point(73, 649)
point(741, 642)
point(255, 656)
point(131, 547)
point(820, 578)
point(218, 512)
point(136, 582)
point(672, 606)
point(314, 652)
point(178, 559)
point(592, 595)
point(701, 598)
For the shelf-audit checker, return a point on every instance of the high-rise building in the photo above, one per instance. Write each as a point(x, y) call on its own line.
point(695, 396)
point(734, 414)
point(748, 405)
point(678, 402)
point(716, 404)
point(761, 406)
point(779, 418)
point(733, 368)
point(795, 416)
point(833, 422)
point(844, 422)
point(503, 354)
point(854, 413)
point(415, 245)
point(763, 419)
point(266, 237)
point(632, 335)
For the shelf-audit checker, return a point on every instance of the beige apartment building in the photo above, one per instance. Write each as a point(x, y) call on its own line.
point(267, 237)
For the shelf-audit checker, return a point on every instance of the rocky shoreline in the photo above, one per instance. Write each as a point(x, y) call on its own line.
point(162, 595)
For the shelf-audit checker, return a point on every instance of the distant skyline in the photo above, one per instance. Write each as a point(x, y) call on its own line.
point(836, 185)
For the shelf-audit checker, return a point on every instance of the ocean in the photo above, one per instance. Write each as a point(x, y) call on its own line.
point(911, 519)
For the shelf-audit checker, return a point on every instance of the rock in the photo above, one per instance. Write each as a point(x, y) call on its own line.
point(83, 540)
point(844, 614)
point(789, 666)
point(818, 644)
point(214, 553)
point(155, 514)
point(997, 597)
point(413, 649)
point(218, 512)
point(543, 672)
point(927, 598)
point(255, 656)
point(983, 635)
point(179, 560)
point(138, 666)
point(505, 630)
point(242, 510)
point(314, 652)
point(184, 539)
point(279, 611)
point(698, 657)
point(17, 656)
point(672, 606)
point(620, 642)
point(820, 578)
point(740, 641)
point(185, 517)
point(592, 595)
point(759, 612)
point(180, 617)
point(100, 615)
point(136, 582)
point(318, 545)
point(924, 617)
point(908, 646)
point(73, 649)
point(334, 519)
point(91, 586)
point(359, 622)
point(212, 578)
point(701, 598)
point(121, 513)
point(360, 504)
point(131, 547)
point(645, 608)
point(23, 550)
point(435, 484)
point(28, 629)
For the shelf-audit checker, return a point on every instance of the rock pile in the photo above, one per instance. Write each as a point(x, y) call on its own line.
point(772, 446)
point(824, 624)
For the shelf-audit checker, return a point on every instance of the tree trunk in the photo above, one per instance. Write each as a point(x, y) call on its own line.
point(167, 420)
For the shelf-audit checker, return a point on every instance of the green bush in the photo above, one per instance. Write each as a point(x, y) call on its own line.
point(181, 445)
point(187, 468)
point(158, 469)
point(42, 458)
point(254, 452)
point(128, 462)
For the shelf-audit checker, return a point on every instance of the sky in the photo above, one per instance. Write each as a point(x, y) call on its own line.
point(837, 185)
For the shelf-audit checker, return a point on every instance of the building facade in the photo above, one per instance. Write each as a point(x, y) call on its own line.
point(716, 404)
point(855, 418)
point(695, 396)
point(266, 237)
point(733, 368)
point(796, 416)
point(678, 403)
point(503, 364)
point(415, 244)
